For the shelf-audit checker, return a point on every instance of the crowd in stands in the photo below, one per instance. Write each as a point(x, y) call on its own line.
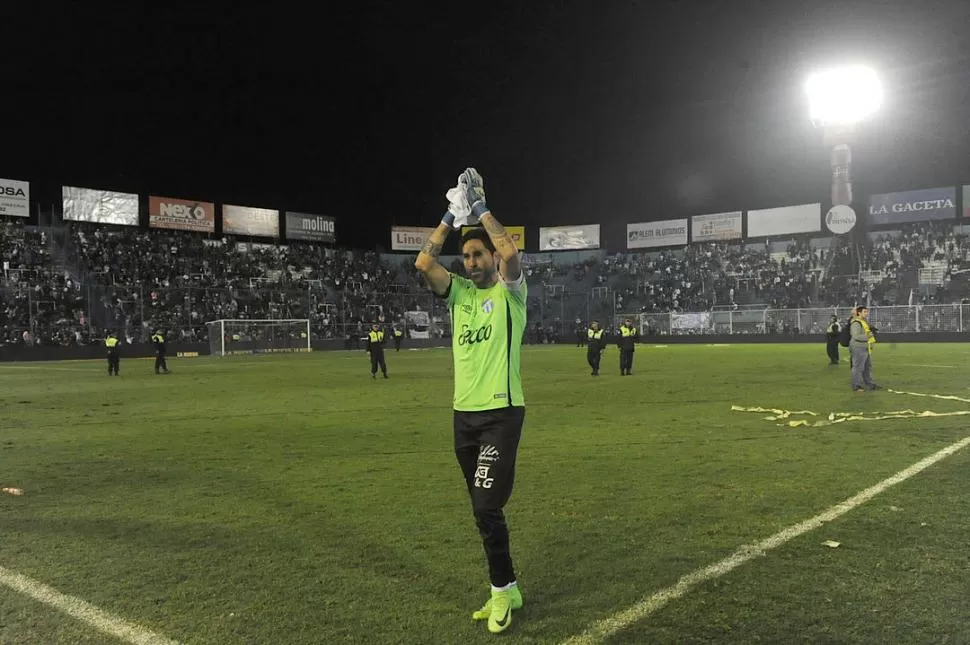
point(40, 303)
point(91, 277)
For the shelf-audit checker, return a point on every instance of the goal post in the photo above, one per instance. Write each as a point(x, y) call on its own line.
point(228, 337)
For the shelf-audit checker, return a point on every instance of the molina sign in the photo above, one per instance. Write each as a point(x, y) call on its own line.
point(670, 232)
point(409, 238)
point(517, 233)
point(913, 206)
point(181, 214)
point(315, 228)
point(14, 198)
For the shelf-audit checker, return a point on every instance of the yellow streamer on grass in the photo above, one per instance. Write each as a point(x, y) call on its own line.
point(942, 397)
point(841, 417)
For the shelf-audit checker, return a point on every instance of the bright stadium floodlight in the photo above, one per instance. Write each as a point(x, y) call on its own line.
point(838, 100)
point(843, 96)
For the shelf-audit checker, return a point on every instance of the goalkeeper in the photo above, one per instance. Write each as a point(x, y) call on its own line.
point(488, 320)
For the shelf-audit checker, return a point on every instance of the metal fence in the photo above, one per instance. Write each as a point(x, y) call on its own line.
point(332, 314)
point(82, 312)
point(900, 319)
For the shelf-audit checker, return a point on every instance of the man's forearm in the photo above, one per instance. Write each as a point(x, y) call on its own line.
point(504, 244)
point(429, 253)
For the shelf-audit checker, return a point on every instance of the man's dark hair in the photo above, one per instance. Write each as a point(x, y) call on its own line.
point(478, 234)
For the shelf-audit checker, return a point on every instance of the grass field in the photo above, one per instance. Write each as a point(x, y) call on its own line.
point(290, 499)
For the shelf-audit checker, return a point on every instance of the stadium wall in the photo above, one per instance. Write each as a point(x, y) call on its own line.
point(763, 339)
point(185, 350)
point(91, 352)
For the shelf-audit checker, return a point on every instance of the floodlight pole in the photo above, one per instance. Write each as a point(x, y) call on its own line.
point(838, 138)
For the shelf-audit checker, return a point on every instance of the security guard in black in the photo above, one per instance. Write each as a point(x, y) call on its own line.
point(595, 344)
point(375, 346)
point(398, 337)
point(114, 353)
point(158, 340)
point(627, 343)
point(832, 340)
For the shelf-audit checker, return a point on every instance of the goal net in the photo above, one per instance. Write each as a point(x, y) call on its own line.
point(227, 337)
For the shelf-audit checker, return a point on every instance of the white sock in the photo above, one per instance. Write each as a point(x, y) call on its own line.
point(505, 588)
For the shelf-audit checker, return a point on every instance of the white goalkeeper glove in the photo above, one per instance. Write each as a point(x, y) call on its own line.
point(459, 212)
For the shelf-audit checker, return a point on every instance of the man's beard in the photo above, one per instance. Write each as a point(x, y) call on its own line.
point(483, 278)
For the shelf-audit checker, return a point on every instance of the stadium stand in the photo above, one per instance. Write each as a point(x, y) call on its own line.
point(68, 285)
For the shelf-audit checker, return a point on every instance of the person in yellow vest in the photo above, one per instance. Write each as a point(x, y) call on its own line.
point(114, 353)
point(398, 337)
point(375, 346)
point(595, 344)
point(860, 346)
point(158, 340)
point(627, 344)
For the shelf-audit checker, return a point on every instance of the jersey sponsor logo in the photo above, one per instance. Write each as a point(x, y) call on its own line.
point(466, 309)
point(469, 336)
point(488, 305)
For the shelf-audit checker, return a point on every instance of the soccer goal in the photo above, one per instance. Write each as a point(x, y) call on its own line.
point(227, 337)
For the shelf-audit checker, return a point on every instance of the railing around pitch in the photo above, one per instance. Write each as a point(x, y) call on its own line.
point(901, 319)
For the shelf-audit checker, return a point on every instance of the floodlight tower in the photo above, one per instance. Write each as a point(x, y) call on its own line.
point(839, 99)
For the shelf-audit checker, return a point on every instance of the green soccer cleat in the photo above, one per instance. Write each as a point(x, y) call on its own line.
point(515, 601)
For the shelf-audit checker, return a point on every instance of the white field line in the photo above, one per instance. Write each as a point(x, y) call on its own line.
point(82, 611)
point(607, 627)
point(945, 367)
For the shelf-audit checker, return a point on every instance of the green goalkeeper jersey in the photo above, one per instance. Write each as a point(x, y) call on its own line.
point(486, 329)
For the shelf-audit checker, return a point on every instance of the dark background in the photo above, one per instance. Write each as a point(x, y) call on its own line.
point(575, 112)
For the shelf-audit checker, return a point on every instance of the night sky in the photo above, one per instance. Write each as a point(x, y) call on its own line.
point(575, 112)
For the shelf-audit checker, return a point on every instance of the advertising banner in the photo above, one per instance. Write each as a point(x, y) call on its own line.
point(913, 206)
point(840, 219)
point(569, 238)
point(805, 218)
point(99, 206)
point(246, 220)
point(716, 226)
point(669, 232)
point(419, 324)
point(14, 198)
point(691, 321)
point(517, 233)
point(314, 228)
point(409, 238)
point(181, 214)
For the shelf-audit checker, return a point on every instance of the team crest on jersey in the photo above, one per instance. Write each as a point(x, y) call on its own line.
point(487, 306)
